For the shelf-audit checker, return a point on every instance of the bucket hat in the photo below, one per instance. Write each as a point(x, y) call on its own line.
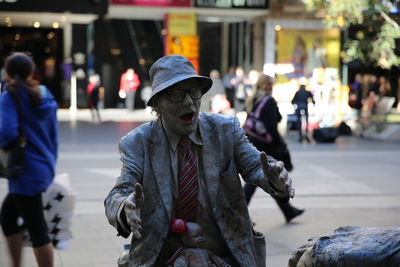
point(170, 70)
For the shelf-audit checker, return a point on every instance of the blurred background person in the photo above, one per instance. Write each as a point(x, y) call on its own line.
point(229, 80)
point(35, 111)
point(242, 88)
point(384, 87)
point(372, 96)
point(373, 85)
point(277, 147)
point(93, 93)
point(145, 93)
point(355, 97)
point(253, 78)
point(129, 84)
point(217, 88)
point(300, 102)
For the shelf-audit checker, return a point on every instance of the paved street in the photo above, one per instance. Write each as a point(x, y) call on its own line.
point(352, 182)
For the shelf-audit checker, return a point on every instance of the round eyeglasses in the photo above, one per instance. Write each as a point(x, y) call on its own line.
point(177, 96)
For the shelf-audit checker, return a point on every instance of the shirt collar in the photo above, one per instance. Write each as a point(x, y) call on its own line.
point(173, 138)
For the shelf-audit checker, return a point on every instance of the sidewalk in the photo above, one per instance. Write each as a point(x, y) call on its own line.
point(351, 182)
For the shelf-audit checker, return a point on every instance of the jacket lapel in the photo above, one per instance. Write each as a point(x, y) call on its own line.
point(160, 162)
point(210, 160)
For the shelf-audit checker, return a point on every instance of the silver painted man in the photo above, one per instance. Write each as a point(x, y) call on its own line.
point(144, 200)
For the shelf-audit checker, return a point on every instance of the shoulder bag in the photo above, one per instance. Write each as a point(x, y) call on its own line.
point(254, 127)
point(12, 156)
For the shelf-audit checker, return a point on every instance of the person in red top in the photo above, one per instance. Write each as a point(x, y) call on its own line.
point(93, 92)
point(128, 87)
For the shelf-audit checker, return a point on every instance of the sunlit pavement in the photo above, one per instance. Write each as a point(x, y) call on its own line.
point(351, 182)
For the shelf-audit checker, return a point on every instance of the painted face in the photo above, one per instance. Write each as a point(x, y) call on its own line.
point(179, 107)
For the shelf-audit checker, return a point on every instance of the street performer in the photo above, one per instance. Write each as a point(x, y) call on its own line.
point(186, 165)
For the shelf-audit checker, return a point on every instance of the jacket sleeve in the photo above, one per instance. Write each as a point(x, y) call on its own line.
point(132, 155)
point(294, 100)
point(8, 120)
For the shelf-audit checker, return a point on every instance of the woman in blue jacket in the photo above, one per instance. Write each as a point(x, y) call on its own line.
point(38, 119)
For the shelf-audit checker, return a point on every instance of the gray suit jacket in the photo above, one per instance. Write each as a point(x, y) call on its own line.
point(226, 153)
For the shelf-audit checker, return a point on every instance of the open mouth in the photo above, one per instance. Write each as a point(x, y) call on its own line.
point(187, 117)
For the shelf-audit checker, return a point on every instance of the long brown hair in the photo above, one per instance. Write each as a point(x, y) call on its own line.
point(19, 67)
point(258, 91)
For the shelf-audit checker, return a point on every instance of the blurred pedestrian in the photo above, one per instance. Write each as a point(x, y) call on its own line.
point(355, 97)
point(32, 110)
point(384, 87)
point(229, 80)
point(242, 88)
point(145, 93)
point(217, 88)
point(369, 103)
point(2, 79)
point(300, 101)
point(185, 165)
point(93, 93)
point(276, 146)
point(129, 84)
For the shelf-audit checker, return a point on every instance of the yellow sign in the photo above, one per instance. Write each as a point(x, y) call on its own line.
point(187, 46)
point(182, 24)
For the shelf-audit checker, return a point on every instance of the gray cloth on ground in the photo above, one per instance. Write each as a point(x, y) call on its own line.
point(350, 246)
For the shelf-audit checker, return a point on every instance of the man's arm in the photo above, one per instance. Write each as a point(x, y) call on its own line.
point(263, 171)
point(124, 191)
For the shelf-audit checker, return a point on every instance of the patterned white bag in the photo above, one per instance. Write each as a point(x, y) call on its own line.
point(58, 204)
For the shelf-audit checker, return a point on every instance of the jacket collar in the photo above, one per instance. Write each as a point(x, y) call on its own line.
point(161, 162)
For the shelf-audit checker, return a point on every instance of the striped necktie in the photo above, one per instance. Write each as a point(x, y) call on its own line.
point(188, 182)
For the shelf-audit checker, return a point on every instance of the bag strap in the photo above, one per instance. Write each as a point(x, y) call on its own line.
point(14, 94)
point(260, 106)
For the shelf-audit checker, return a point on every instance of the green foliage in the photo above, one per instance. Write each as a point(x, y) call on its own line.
point(376, 42)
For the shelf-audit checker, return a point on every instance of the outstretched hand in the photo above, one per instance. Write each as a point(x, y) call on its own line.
point(277, 176)
point(132, 205)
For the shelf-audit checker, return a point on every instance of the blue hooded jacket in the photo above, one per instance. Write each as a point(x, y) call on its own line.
point(40, 126)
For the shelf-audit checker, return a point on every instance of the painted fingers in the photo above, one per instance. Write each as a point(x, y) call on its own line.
point(277, 175)
point(132, 205)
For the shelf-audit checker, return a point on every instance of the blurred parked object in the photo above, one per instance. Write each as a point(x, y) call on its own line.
point(350, 246)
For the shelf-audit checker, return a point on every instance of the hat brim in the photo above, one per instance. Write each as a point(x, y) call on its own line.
point(204, 81)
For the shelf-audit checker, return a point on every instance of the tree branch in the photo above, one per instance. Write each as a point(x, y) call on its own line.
point(388, 19)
